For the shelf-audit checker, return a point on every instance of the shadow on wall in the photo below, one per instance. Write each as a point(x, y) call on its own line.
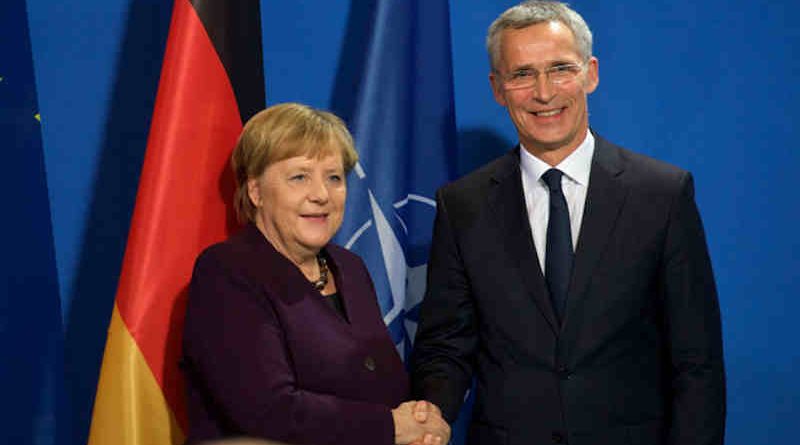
point(476, 146)
point(353, 56)
point(114, 192)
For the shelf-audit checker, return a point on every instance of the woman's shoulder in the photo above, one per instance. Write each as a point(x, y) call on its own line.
point(343, 257)
point(238, 248)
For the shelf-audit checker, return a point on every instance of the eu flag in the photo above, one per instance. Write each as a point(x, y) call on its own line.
point(31, 334)
point(404, 128)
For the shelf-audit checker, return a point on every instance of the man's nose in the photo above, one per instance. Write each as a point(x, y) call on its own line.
point(543, 90)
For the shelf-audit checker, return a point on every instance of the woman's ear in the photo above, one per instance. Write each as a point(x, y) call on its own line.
point(254, 192)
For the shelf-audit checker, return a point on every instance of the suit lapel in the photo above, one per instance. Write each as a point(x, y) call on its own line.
point(507, 201)
point(604, 200)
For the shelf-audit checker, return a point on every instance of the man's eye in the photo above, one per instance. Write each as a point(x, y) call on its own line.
point(523, 74)
point(566, 68)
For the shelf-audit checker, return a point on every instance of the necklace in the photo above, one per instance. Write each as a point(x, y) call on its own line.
point(322, 281)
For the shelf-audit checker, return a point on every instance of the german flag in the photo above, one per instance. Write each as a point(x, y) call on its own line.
point(211, 82)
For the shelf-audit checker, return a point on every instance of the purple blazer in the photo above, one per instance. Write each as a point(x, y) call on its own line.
point(265, 356)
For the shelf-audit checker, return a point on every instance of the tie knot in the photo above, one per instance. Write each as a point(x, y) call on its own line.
point(552, 178)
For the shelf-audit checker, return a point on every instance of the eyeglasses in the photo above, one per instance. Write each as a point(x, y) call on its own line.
point(557, 75)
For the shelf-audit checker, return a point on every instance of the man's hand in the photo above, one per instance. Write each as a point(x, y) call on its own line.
point(420, 423)
point(422, 408)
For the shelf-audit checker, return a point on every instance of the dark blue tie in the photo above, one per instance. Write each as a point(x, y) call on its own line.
point(559, 255)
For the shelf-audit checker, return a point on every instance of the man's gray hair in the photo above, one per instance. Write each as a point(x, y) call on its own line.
point(532, 12)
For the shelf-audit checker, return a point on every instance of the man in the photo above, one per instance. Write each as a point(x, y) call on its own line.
point(570, 277)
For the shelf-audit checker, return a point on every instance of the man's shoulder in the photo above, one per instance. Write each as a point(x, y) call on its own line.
point(478, 179)
point(638, 169)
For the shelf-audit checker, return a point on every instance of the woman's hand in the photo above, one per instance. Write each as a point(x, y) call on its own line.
point(419, 423)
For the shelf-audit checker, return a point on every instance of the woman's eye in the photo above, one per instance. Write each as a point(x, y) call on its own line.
point(335, 178)
point(297, 178)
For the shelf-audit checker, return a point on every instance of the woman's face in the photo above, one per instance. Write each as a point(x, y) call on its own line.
point(300, 203)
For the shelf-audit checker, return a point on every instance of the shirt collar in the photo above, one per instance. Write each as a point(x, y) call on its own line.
point(576, 166)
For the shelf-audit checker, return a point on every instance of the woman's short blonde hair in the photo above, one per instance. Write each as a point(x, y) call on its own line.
point(284, 131)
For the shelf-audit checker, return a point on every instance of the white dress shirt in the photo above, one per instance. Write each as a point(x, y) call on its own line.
point(575, 183)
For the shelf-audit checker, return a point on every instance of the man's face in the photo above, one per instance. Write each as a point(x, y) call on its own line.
point(549, 117)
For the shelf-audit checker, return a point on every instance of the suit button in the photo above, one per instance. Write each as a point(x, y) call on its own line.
point(564, 373)
point(369, 363)
point(558, 437)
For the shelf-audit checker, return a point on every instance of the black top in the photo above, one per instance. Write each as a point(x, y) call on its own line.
point(334, 300)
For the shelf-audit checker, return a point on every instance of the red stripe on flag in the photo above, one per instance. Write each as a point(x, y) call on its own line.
point(181, 202)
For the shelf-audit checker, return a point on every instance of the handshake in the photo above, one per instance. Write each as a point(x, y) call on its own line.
point(420, 423)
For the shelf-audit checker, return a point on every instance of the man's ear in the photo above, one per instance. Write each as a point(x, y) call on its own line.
point(592, 75)
point(497, 89)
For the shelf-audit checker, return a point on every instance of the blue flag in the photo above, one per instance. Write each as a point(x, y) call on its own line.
point(404, 128)
point(31, 335)
point(398, 100)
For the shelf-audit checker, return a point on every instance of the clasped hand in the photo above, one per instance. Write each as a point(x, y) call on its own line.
point(420, 423)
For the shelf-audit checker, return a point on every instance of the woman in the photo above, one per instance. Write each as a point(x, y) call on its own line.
point(283, 337)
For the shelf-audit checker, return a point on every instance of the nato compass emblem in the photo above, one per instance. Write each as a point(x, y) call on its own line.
point(392, 235)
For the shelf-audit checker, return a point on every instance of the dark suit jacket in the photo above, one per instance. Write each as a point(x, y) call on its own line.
point(266, 356)
point(638, 357)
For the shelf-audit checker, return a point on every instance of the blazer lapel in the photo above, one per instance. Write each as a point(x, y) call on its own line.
point(604, 201)
point(275, 270)
point(507, 201)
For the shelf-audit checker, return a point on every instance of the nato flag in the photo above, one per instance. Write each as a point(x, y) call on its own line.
point(402, 119)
